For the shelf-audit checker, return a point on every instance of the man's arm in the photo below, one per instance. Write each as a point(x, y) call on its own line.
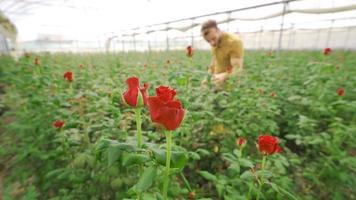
point(234, 70)
point(237, 67)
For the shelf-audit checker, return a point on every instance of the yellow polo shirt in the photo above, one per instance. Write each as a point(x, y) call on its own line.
point(230, 46)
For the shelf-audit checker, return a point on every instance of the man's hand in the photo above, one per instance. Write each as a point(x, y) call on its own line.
point(220, 78)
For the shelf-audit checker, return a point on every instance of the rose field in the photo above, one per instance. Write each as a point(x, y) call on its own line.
point(147, 126)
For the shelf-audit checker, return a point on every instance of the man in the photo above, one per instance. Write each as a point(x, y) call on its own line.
point(227, 52)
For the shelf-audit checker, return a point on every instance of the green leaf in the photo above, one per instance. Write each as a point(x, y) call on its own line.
point(203, 152)
point(55, 173)
point(247, 175)
point(275, 187)
point(220, 187)
point(79, 160)
point(133, 158)
point(234, 169)
point(179, 159)
point(194, 155)
point(264, 174)
point(146, 179)
point(245, 163)
point(113, 154)
point(115, 150)
point(31, 194)
point(160, 156)
point(280, 190)
point(208, 176)
point(237, 152)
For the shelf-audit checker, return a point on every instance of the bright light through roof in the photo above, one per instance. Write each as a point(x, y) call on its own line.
point(90, 19)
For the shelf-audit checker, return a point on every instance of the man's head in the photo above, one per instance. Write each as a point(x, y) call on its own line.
point(211, 32)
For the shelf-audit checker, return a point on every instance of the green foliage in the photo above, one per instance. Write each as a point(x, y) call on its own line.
point(94, 156)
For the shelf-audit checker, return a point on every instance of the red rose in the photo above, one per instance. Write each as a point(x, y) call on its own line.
point(327, 51)
point(36, 61)
point(164, 109)
point(165, 93)
point(58, 124)
point(240, 142)
point(268, 144)
point(189, 51)
point(340, 91)
point(134, 95)
point(68, 75)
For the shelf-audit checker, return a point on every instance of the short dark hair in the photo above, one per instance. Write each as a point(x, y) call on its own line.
point(208, 25)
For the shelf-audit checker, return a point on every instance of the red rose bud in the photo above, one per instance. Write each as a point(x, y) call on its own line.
point(273, 94)
point(68, 76)
point(189, 52)
point(327, 51)
point(191, 195)
point(241, 142)
point(58, 124)
point(340, 91)
point(268, 144)
point(164, 109)
point(36, 61)
point(135, 96)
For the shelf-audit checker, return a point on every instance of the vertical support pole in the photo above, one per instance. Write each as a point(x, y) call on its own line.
point(167, 37)
point(282, 25)
point(331, 27)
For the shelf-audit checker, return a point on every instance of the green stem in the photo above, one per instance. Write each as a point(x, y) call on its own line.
point(259, 191)
point(138, 126)
point(186, 183)
point(261, 181)
point(71, 89)
point(168, 163)
point(263, 162)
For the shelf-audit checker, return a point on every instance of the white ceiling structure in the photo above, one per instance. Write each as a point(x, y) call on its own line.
point(90, 19)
